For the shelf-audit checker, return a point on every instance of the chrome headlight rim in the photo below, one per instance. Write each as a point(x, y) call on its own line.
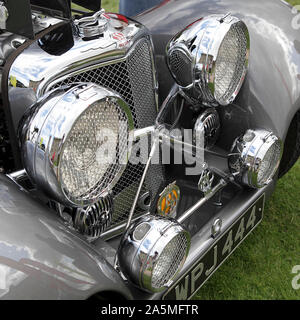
point(250, 151)
point(106, 191)
point(201, 43)
point(70, 103)
point(138, 258)
point(161, 246)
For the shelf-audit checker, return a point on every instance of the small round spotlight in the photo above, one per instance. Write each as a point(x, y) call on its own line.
point(153, 251)
point(255, 157)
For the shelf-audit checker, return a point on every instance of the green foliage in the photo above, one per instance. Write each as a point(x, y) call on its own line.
point(110, 5)
point(294, 2)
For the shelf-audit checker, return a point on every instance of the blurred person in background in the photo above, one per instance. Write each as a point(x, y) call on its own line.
point(133, 7)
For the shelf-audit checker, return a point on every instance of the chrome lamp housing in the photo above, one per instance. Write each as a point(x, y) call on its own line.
point(209, 58)
point(255, 157)
point(153, 251)
point(74, 143)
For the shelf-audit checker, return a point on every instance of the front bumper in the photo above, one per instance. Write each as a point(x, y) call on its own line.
point(202, 240)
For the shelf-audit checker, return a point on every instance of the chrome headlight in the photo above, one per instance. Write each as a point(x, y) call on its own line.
point(255, 157)
point(209, 58)
point(74, 143)
point(153, 251)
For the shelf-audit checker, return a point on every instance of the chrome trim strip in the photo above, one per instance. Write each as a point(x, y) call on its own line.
point(119, 229)
point(67, 74)
point(152, 152)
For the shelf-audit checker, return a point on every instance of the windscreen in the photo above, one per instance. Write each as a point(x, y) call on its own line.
point(54, 8)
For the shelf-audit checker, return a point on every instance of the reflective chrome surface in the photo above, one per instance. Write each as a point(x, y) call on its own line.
point(45, 134)
point(36, 68)
point(255, 157)
point(41, 22)
point(153, 251)
point(206, 180)
point(209, 122)
point(95, 219)
point(92, 26)
point(63, 54)
point(41, 258)
point(209, 58)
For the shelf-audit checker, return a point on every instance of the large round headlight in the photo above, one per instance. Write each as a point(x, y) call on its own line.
point(74, 143)
point(209, 58)
point(255, 157)
point(153, 251)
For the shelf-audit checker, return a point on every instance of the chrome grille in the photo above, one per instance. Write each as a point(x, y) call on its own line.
point(142, 83)
point(93, 220)
point(132, 78)
point(170, 260)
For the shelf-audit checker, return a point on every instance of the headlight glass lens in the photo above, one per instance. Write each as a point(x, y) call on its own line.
point(230, 63)
point(169, 261)
point(93, 150)
point(269, 163)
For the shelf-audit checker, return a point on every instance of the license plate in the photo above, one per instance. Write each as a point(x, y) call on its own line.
point(201, 271)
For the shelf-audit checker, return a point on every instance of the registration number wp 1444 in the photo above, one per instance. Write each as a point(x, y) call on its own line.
point(188, 284)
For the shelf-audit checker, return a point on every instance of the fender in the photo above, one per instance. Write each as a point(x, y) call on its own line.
point(270, 96)
point(40, 258)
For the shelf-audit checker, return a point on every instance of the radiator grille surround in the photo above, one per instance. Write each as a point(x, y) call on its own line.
point(133, 78)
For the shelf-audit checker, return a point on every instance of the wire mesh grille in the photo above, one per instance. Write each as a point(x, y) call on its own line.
point(170, 260)
point(133, 80)
point(230, 63)
point(181, 68)
point(142, 83)
point(86, 167)
point(95, 219)
point(269, 163)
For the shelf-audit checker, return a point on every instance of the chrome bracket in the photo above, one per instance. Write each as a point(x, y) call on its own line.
point(206, 180)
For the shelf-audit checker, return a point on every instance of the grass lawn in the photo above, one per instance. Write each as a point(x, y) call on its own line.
point(294, 2)
point(261, 267)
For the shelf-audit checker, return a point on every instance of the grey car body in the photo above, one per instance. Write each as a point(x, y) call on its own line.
point(41, 258)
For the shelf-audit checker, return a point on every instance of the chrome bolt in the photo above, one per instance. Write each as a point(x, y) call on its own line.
point(216, 227)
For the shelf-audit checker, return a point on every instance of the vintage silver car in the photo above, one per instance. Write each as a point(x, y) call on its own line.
point(137, 153)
